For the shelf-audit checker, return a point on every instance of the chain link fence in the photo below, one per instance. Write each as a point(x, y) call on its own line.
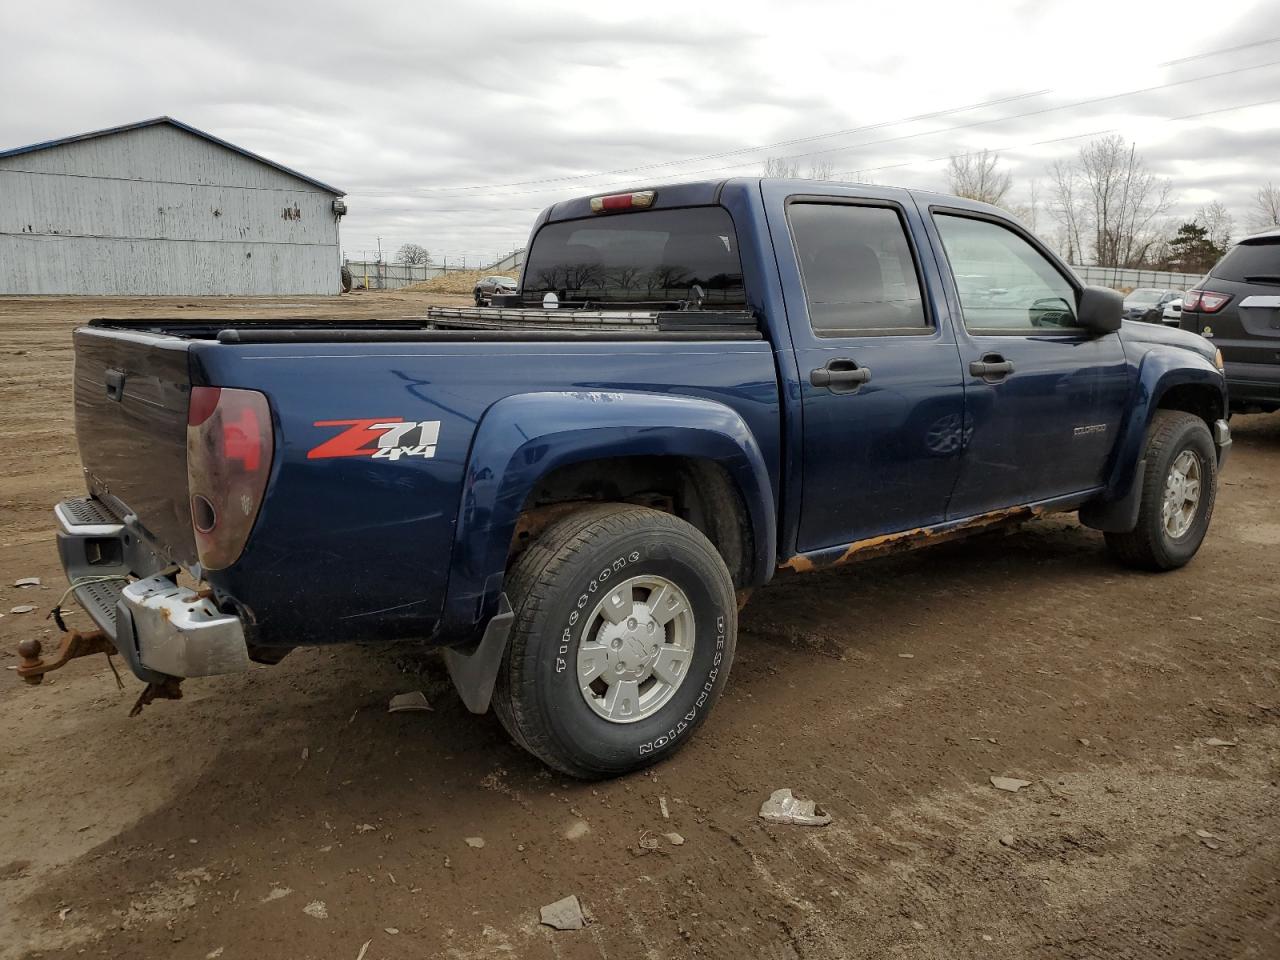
point(379, 275)
point(1125, 279)
point(373, 275)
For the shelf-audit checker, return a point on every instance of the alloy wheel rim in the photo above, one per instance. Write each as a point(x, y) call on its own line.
point(1182, 491)
point(635, 649)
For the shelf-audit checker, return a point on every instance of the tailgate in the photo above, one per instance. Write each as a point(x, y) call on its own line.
point(131, 394)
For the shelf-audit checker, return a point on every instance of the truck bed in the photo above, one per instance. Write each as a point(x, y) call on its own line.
point(351, 547)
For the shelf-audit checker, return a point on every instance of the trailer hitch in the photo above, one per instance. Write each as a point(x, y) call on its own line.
point(31, 668)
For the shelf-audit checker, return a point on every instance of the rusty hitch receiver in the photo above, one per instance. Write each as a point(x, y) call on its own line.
point(32, 668)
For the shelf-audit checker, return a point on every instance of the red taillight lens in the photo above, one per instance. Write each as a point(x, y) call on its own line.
point(639, 200)
point(204, 400)
point(229, 449)
point(242, 439)
point(1205, 301)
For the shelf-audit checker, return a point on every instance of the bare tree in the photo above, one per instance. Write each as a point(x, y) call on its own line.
point(1217, 222)
point(1108, 198)
point(1029, 212)
point(1266, 207)
point(1068, 209)
point(789, 167)
point(412, 254)
point(820, 170)
point(978, 176)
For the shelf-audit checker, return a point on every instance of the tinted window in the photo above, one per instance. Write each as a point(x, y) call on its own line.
point(1246, 260)
point(1004, 282)
point(857, 268)
point(649, 256)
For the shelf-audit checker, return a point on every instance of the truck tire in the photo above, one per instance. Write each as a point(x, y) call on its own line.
point(346, 279)
point(624, 631)
point(1178, 492)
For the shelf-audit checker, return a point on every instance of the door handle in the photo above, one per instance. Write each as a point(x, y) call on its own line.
point(115, 385)
point(991, 368)
point(840, 376)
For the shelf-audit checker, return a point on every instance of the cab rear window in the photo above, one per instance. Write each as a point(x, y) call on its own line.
point(654, 256)
point(1246, 261)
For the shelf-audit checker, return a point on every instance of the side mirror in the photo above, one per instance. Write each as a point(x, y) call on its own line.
point(1101, 310)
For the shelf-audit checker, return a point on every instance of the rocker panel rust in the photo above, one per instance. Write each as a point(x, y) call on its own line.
point(911, 539)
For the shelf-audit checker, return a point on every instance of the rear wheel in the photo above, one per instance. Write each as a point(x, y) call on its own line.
point(1178, 492)
point(625, 625)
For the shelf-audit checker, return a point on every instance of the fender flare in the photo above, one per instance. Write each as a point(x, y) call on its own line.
point(1160, 370)
point(523, 437)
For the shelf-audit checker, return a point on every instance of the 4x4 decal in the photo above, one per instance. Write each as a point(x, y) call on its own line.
point(386, 438)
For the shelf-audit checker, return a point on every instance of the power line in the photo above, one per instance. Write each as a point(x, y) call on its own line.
point(1214, 53)
point(1074, 136)
point(749, 149)
point(927, 133)
point(911, 163)
point(852, 130)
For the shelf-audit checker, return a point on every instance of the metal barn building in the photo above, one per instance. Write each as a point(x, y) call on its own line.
point(161, 208)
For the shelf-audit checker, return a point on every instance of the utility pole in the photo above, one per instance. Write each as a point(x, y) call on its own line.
point(379, 249)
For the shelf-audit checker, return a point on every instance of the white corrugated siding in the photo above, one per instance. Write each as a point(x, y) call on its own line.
point(159, 211)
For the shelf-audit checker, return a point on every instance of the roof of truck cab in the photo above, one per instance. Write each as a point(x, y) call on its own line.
point(702, 192)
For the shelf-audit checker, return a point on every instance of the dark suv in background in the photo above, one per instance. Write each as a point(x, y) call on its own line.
point(1237, 306)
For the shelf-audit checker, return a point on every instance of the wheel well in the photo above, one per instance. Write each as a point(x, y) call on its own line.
point(1203, 401)
point(700, 492)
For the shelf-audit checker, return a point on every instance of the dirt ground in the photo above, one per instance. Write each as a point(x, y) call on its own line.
point(286, 814)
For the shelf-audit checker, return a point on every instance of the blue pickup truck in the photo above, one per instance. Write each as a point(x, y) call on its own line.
point(694, 388)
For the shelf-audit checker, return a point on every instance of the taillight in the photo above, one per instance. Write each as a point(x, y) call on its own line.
point(639, 200)
point(229, 448)
point(1205, 301)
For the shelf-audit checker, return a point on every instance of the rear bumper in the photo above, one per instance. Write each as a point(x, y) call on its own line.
point(160, 628)
point(1253, 384)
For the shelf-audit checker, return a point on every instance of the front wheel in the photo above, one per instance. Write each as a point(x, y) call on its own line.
point(625, 626)
point(1178, 492)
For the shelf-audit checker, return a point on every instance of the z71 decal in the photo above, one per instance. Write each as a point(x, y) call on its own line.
point(384, 438)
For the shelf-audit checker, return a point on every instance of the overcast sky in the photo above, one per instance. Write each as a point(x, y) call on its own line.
point(452, 124)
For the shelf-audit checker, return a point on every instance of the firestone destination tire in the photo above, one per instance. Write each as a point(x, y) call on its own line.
point(1178, 493)
point(624, 632)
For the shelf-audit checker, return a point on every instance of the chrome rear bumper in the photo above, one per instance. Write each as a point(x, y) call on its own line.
point(180, 633)
point(160, 628)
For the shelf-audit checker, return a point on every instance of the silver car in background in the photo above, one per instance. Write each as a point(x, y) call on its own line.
point(1148, 303)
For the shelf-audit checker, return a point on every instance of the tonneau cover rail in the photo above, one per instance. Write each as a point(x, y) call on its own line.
point(502, 335)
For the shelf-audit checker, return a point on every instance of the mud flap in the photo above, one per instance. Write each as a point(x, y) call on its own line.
point(474, 674)
point(1117, 516)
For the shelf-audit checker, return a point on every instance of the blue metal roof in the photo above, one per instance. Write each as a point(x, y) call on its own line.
point(32, 148)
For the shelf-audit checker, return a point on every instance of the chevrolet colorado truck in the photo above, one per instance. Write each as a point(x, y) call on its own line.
point(694, 388)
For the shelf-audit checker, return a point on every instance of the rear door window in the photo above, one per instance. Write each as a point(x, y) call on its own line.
point(1246, 261)
point(650, 257)
point(858, 270)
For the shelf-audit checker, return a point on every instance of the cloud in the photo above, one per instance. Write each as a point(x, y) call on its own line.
point(404, 105)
